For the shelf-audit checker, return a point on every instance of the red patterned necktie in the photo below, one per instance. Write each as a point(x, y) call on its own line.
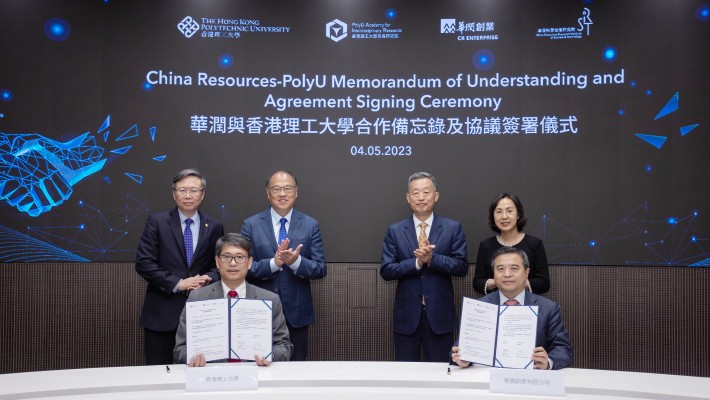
point(511, 302)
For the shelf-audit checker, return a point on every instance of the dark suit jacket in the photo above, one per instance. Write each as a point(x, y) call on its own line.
point(282, 346)
point(433, 281)
point(551, 331)
point(293, 288)
point(160, 260)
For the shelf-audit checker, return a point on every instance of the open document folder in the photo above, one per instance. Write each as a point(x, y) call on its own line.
point(229, 328)
point(497, 336)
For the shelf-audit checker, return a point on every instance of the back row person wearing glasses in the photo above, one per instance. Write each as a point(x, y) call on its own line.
point(288, 254)
point(506, 217)
point(172, 269)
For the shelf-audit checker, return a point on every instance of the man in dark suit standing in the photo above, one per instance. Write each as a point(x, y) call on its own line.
point(553, 349)
point(423, 252)
point(233, 261)
point(288, 253)
point(175, 255)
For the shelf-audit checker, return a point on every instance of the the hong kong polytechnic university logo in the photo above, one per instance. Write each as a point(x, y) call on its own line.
point(188, 26)
point(336, 30)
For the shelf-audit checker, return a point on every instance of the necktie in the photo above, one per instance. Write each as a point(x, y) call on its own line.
point(511, 302)
point(282, 230)
point(422, 235)
point(233, 294)
point(188, 241)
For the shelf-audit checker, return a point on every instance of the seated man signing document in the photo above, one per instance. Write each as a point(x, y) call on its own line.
point(233, 261)
point(510, 272)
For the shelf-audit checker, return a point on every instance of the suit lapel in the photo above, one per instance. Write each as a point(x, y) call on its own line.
point(202, 237)
point(217, 292)
point(529, 299)
point(250, 292)
point(410, 233)
point(268, 228)
point(496, 298)
point(176, 228)
point(294, 227)
point(436, 229)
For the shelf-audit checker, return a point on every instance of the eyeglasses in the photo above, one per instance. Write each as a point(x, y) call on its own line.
point(183, 192)
point(285, 189)
point(240, 259)
point(500, 213)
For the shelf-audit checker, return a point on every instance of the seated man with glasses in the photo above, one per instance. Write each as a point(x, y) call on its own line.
point(233, 261)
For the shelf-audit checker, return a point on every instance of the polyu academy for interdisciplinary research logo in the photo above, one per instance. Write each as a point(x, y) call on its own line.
point(188, 26)
point(336, 30)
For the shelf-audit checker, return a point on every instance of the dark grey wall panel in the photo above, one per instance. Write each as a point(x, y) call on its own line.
point(83, 315)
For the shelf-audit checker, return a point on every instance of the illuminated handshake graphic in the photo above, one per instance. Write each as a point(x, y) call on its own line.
point(37, 173)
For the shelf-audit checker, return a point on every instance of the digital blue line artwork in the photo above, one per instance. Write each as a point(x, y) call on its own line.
point(98, 234)
point(649, 239)
point(18, 247)
point(37, 173)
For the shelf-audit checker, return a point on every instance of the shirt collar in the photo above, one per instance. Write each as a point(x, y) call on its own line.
point(195, 218)
point(241, 289)
point(276, 218)
point(520, 297)
point(428, 221)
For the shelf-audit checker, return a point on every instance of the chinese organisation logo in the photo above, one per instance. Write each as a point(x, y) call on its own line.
point(188, 26)
point(583, 28)
point(469, 30)
point(585, 21)
point(226, 28)
point(448, 25)
point(336, 30)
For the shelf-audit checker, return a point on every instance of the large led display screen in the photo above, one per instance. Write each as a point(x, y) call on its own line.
point(595, 113)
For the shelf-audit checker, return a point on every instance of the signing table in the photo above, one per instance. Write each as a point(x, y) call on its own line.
point(341, 380)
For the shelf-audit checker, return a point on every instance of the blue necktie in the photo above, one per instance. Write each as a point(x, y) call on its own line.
point(188, 241)
point(282, 230)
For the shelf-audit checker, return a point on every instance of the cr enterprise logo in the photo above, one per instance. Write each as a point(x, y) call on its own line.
point(448, 25)
point(336, 30)
point(188, 26)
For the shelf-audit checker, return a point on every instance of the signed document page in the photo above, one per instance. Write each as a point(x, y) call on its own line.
point(477, 336)
point(207, 324)
point(499, 336)
point(517, 327)
point(250, 330)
